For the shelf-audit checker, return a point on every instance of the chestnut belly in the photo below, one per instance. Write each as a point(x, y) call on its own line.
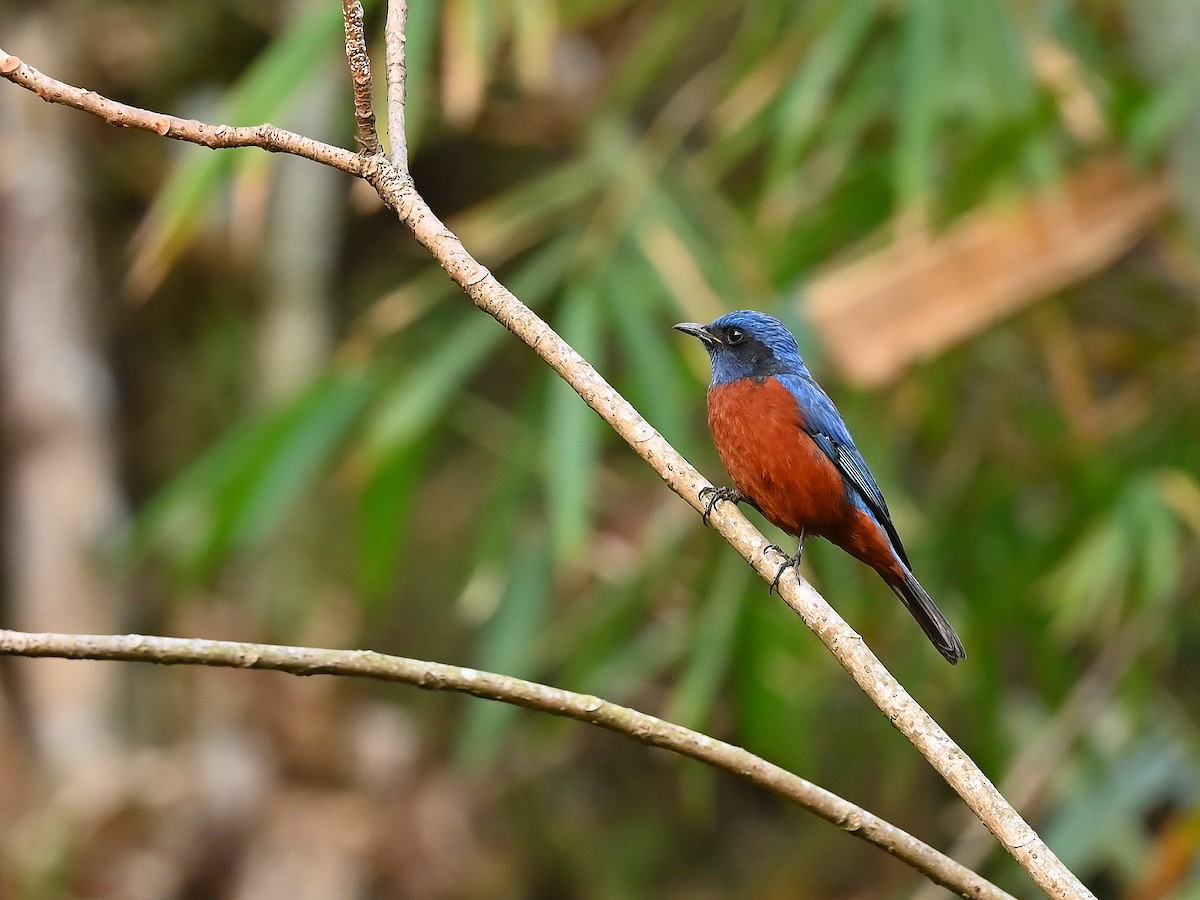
point(760, 436)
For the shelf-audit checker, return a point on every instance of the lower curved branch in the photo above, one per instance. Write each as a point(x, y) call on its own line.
point(435, 676)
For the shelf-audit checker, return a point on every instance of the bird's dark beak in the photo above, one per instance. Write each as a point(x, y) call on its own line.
point(696, 330)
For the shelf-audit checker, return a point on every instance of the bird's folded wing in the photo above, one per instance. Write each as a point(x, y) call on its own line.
point(824, 425)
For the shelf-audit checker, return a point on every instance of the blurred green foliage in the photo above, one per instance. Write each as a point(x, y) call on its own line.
point(623, 165)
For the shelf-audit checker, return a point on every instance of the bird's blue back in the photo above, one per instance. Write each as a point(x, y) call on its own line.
point(827, 428)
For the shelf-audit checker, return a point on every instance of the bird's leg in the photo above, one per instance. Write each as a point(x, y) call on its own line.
point(716, 494)
point(790, 563)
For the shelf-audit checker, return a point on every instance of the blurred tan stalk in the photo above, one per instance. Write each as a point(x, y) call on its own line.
point(61, 479)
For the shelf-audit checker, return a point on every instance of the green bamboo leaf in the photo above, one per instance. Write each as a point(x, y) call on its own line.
point(420, 38)
point(997, 82)
point(658, 388)
point(240, 490)
point(676, 208)
point(711, 646)
point(593, 636)
point(1166, 110)
point(509, 644)
point(513, 486)
point(651, 651)
point(857, 207)
point(384, 508)
point(868, 98)
point(1084, 587)
point(1161, 546)
point(532, 211)
point(413, 405)
point(395, 439)
point(921, 74)
point(1099, 820)
point(572, 448)
point(774, 687)
point(1132, 555)
point(659, 44)
point(610, 643)
point(1181, 493)
point(810, 91)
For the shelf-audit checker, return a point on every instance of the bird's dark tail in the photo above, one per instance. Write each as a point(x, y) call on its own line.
point(928, 616)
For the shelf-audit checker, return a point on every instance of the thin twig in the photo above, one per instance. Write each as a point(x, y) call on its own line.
point(434, 676)
point(216, 137)
point(394, 41)
point(397, 191)
point(360, 72)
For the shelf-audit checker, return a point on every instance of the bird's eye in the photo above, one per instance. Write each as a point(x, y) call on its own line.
point(735, 335)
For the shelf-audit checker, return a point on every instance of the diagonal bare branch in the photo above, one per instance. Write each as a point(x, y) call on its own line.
point(434, 676)
point(360, 72)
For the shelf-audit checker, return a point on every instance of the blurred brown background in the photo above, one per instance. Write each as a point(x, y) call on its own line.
point(239, 402)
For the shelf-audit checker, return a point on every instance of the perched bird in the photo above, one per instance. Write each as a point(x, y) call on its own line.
point(791, 457)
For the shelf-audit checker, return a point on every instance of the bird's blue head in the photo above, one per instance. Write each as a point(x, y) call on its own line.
point(747, 344)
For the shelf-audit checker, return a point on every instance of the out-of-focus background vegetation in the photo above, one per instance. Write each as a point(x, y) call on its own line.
point(240, 402)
